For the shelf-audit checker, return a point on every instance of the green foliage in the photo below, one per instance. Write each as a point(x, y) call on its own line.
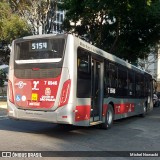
point(14, 28)
point(38, 13)
point(2, 78)
point(11, 27)
point(127, 28)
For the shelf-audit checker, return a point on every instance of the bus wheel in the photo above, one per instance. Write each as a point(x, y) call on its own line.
point(144, 111)
point(109, 118)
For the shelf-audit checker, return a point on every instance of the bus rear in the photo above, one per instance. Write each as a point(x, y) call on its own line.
point(39, 84)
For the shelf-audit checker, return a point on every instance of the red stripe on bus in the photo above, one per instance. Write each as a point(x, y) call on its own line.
point(124, 108)
point(65, 93)
point(10, 92)
point(35, 69)
point(82, 113)
point(105, 106)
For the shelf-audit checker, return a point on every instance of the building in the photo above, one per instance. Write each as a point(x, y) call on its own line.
point(152, 65)
point(57, 25)
point(45, 19)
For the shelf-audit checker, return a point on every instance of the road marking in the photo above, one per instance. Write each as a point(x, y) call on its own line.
point(4, 117)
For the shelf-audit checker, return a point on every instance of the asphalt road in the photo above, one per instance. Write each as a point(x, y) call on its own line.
point(131, 134)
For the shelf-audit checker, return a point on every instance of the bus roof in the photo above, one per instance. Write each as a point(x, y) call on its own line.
point(41, 36)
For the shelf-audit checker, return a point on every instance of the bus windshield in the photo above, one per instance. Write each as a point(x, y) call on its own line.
point(39, 49)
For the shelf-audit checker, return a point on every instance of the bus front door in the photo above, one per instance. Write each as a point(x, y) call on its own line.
point(96, 91)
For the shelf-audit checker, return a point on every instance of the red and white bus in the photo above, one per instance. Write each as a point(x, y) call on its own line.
point(65, 80)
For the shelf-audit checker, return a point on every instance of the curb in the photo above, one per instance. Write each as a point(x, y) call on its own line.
point(3, 106)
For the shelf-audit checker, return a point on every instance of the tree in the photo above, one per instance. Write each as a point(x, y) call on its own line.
point(41, 14)
point(11, 27)
point(125, 28)
point(4, 52)
point(2, 78)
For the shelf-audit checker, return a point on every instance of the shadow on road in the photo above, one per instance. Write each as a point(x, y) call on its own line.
point(49, 129)
point(62, 131)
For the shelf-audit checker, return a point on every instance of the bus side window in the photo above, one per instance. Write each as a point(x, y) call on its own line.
point(122, 82)
point(112, 75)
point(139, 85)
point(131, 83)
point(106, 79)
point(83, 74)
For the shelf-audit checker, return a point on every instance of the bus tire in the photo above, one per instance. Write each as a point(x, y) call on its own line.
point(144, 111)
point(109, 118)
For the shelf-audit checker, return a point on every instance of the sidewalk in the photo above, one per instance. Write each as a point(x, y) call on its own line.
point(3, 104)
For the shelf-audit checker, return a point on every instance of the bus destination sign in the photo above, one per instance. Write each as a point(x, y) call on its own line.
point(38, 46)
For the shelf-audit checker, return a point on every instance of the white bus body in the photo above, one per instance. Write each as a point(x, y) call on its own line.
point(65, 80)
